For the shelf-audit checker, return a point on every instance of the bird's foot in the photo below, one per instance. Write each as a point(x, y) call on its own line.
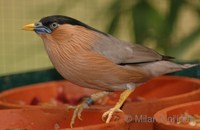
point(78, 110)
point(118, 105)
point(85, 104)
point(110, 112)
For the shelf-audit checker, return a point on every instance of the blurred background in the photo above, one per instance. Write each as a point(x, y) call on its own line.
point(172, 27)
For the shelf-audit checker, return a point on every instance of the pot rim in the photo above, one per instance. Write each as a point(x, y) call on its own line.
point(56, 82)
point(166, 122)
point(121, 121)
point(192, 80)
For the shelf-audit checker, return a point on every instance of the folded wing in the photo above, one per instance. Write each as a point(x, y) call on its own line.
point(121, 52)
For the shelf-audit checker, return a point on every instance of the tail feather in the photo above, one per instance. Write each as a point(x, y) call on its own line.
point(164, 67)
point(185, 66)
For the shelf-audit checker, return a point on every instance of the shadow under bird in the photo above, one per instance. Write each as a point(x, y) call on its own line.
point(94, 59)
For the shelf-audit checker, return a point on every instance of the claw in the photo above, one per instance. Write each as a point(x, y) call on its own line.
point(77, 113)
point(117, 106)
point(88, 101)
point(109, 114)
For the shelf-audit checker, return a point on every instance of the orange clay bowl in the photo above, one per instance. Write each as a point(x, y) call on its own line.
point(48, 94)
point(166, 118)
point(55, 119)
point(146, 100)
point(54, 94)
point(157, 94)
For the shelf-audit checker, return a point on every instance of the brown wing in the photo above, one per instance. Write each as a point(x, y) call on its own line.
point(121, 52)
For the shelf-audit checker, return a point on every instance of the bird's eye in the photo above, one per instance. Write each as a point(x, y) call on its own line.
point(54, 25)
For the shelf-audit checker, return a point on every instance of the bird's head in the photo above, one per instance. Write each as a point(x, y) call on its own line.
point(48, 24)
point(57, 24)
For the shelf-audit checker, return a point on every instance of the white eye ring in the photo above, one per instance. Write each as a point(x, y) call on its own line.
point(54, 25)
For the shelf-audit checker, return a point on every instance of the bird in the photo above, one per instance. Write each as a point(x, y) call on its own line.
point(94, 59)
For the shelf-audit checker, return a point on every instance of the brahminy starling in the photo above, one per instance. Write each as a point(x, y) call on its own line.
point(93, 59)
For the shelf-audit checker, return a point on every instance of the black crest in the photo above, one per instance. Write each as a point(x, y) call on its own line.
point(47, 21)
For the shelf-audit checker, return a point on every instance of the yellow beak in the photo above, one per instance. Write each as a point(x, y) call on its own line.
point(29, 27)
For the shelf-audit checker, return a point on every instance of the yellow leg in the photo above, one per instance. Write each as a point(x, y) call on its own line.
point(117, 106)
point(88, 101)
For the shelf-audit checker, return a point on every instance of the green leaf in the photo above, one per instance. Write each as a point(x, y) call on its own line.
point(164, 40)
point(185, 43)
point(114, 10)
point(147, 21)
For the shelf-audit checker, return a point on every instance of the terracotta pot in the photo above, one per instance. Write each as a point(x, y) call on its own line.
point(51, 94)
point(57, 119)
point(47, 94)
point(146, 100)
point(166, 119)
point(157, 94)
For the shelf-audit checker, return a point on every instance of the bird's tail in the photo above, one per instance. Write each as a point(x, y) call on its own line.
point(164, 67)
point(185, 66)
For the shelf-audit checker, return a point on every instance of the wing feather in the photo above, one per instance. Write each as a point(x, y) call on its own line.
point(121, 52)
